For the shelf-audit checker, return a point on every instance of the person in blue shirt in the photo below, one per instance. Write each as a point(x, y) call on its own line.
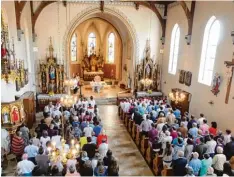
point(195, 163)
point(31, 151)
point(177, 113)
point(194, 131)
point(156, 106)
point(97, 129)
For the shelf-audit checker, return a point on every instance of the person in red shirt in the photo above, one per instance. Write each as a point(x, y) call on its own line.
point(213, 129)
point(17, 145)
point(101, 136)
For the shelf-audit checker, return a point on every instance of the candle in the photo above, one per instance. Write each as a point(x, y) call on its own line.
point(49, 149)
point(77, 147)
point(72, 142)
point(54, 144)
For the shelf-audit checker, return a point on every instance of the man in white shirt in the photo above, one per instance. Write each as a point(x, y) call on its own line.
point(166, 139)
point(227, 137)
point(211, 144)
point(145, 126)
point(25, 167)
point(200, 120)
point(88, 131)
point(92, 101)
point(51, 107)
point(56, 139)
point(218, 161)
point(170, 118)
point(102, 149)
point(56, 112)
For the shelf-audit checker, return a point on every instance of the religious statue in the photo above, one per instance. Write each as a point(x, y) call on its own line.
point(52, 72)
point(15, 114)
point(5, 115)
point(93, 63)
point(216, 84)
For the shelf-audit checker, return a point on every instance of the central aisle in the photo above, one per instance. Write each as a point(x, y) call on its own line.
point(130, 160)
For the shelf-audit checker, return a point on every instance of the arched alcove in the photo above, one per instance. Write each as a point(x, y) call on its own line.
point(122, 24)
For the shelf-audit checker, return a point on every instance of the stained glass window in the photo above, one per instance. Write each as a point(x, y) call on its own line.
point(209, 46)
point(111, 48)
point(74, 48)
point(91, 43)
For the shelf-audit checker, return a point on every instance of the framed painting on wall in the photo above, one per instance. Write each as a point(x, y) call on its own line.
point(182, 76)
point(188, 78)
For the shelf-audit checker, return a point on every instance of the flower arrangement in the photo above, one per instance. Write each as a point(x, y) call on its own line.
point(51, 93)
point(149, 91)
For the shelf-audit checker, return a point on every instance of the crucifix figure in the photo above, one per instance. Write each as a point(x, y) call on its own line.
point(230, 70)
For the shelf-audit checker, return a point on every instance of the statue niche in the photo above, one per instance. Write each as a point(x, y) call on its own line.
point(51, 74)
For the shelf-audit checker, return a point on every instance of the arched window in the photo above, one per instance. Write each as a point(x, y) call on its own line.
point(91, 43)
point(209, 46)
point(174, 49)
point(111, 48)
point(74, 48)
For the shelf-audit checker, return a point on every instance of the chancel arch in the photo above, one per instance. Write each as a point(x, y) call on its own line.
point(123, 25)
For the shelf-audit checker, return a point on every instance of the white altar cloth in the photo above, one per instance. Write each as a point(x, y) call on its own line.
point(94, 73)
point(97, 86)
point(143, 94)
point(48, 97)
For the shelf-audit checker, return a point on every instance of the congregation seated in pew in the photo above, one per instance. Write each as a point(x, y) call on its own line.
point(181, 144)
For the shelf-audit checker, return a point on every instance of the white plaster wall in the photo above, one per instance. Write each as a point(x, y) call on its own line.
point(8, 90)
point(189, 59)
point(47, 25)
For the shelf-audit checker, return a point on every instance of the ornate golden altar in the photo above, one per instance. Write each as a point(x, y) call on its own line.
point(92, 66)
point(51, 75)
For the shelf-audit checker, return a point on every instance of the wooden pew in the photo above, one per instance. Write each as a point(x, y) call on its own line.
point(148, 154)
point(134, 127)
point(137, 139)
point(156, 163)
point(126, 120)
point(130, 123)
point(167, 172)
point(144, 144)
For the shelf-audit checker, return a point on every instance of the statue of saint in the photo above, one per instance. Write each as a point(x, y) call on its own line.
point(5, 118)
point(93, 63)
point(52, 72)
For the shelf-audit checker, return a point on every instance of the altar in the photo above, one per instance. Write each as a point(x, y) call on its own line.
point(92, 66)
point(89, 76)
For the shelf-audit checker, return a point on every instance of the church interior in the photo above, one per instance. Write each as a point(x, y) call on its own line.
point(117, 88)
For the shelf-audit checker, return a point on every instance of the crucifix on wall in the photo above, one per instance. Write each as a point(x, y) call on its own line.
point(229, 73)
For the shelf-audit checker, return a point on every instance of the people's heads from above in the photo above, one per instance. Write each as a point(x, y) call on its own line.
point(219, 150)
point(195, 155)
point(50, 103)
point(210, 171)
point(89, 139)
point(25, 156)
point(91, 97)
point(72, 169)
point(227, 169)
point(204, 121)
point(44, 133)
point(228, 132)
point(30, 142)
point(104, 140)
point(54, 170)
point(180, 153)
point(19, 133)
point(189, 171)
point(189, 141)
point(206, 156)
point(201, 115)
point(192, 117)
point(214, 125)
point(194, 124)
point(41, 150)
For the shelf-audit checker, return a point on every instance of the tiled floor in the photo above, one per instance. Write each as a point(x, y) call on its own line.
point(131, 163)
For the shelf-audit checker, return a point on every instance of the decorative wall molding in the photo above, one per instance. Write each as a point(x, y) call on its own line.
point(86, 14)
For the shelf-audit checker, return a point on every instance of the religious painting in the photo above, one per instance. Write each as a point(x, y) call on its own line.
point(148, 71)
point(216, 84)
point(182, 76)
point(5, 115)
point(15, 117)
point(188, 78)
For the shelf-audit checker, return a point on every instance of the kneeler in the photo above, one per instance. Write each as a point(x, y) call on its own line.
point(130, 123)
point(148, 154)
point(134, 128)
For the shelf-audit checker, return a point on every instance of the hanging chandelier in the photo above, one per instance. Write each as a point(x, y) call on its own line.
point(177, 96)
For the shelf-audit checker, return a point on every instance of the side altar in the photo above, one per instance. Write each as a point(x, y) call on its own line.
point(50, 80)
point(92, 66)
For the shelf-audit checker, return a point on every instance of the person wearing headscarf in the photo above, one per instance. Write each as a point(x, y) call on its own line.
point(218, 161)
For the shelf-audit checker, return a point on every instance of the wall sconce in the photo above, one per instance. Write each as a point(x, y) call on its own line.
point(19, 33)
point(211, 102)
point(188, 39)
point(232, 35)
point(163, 40)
